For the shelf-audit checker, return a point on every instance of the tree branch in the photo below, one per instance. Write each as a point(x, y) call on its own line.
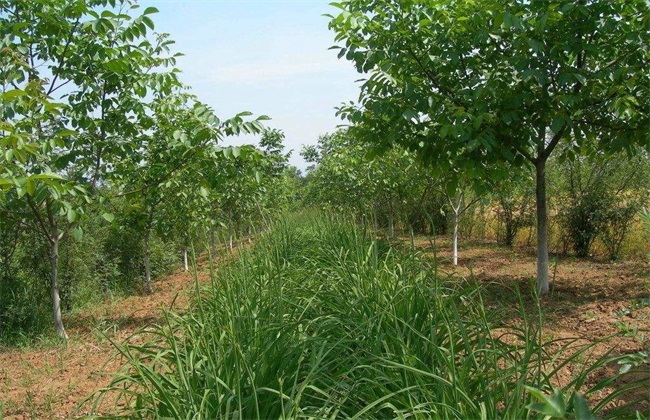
point(62, 59)
point(471, 203)
point(432, 78)
point(546, 152)
point(39, 219)
point(525, 154)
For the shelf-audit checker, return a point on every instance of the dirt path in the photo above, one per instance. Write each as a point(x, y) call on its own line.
point(50, 383)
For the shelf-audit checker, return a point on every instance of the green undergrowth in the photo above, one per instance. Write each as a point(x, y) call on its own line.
point(320, 321)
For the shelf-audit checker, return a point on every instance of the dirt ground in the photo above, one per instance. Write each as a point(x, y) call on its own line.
point(51, 382)
point(590, 299)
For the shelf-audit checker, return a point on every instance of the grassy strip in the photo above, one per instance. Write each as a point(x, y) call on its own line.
point(319, 321)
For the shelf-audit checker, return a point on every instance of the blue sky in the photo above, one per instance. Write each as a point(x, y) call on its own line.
point(265, 56)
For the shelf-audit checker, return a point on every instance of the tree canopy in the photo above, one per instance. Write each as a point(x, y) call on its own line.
point(476, 85)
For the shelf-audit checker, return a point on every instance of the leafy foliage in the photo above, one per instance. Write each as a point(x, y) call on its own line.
point(92, 111)
point(476, 88)
point(386, 190)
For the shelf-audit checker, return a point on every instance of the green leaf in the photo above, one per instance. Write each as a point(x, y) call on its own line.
point(109, 217)
point(30, 186)
point(409, 114)
point(13, 94)
point(580, 78)
point(147, 21)
point(451, 187)
point(72, 215)
point(202, 135)
point(149, 10)
point(47, 175)
point(77, 233)
point(550, 405)
point(581, 409)
point(557, 124)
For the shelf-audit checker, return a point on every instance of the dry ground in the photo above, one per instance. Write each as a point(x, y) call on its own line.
point(51, 382)
point(591, 299)
point(595, 301)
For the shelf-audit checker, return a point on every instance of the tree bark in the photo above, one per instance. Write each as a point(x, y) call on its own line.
point(54, 286)
point(458, 209)
point(542, 228)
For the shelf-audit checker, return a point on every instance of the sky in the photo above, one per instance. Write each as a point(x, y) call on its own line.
point(269, 57)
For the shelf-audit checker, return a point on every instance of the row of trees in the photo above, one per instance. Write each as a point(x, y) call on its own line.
point(481, 89)
point(594, 201)
point(96, 125)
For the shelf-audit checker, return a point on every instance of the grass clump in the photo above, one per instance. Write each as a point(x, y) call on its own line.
point(320, 321)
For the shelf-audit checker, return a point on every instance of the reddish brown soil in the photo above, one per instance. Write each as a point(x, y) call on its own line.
point(51, 382)
point(589, 299)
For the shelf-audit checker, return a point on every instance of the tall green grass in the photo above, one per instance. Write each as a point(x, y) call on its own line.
point(320, 321)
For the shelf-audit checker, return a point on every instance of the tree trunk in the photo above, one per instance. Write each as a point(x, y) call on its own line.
point(186, 266)
point(54, 286)
point(542, 229)
point(455, 239)
point(147, 262)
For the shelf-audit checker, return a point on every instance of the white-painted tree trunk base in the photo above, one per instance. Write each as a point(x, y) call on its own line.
point(54, 289)
point(455, 240)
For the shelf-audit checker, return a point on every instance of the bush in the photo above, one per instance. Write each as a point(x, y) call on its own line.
point(585, 219)
point(601, 198)
point(106, 262)
point(25, 305)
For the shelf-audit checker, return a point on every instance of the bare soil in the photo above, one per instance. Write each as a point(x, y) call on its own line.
point(51, 382)
point(589, 299)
